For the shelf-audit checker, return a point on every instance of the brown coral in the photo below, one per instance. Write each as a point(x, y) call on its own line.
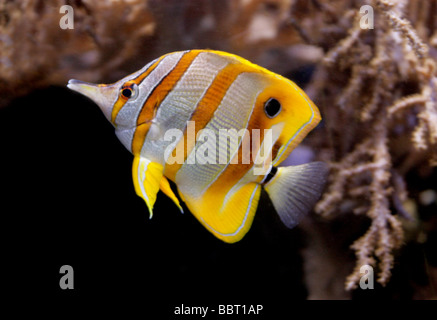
point(373, 96)
point(94, 49)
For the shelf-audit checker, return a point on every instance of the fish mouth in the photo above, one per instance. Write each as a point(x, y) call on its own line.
point(87, 89)
point(74, 81)
point(82, 87)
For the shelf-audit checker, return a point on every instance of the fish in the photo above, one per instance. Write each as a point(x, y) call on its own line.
point(170, 115)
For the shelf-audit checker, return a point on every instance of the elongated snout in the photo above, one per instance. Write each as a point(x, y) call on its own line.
point(103, 95)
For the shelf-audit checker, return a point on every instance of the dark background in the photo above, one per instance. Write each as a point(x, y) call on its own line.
point(68, 199)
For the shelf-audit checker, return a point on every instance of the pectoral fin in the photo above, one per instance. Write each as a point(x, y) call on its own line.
point(147, 177)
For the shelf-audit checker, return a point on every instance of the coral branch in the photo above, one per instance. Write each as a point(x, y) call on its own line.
point(404, 26)
point(372, 101)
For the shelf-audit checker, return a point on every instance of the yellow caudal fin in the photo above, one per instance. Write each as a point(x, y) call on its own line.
point(165, 187)
point(147, 178)
point(294, 190)
point(228, 214)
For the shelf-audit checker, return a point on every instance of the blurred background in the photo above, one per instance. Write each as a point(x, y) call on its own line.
point(67, 195)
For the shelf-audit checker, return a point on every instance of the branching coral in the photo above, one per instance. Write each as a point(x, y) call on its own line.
point(425, 134)
point(375, 65)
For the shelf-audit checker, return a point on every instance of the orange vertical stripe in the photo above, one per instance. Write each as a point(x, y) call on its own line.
point(120, 101)
point(158, 94)
point(207, 106)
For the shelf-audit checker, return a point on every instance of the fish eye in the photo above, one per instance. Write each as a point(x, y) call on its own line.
point(129, 91)
point(272, 108)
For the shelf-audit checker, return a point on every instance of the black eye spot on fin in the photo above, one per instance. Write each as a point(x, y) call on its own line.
point(272, 107)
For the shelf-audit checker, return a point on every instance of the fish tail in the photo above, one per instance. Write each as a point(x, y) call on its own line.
point(294, 190)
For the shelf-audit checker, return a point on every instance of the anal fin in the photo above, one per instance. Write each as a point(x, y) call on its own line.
point(227, 213)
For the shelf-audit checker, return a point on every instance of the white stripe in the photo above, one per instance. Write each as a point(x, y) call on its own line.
point(233, 112)
point(140, 180)
point(249, 176)
point(178, 106)
point(126, 119)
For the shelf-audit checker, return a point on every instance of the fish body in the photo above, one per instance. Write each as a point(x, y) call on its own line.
point(172, 115)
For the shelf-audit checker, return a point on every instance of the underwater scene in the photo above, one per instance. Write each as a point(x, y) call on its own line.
point(219, 159)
